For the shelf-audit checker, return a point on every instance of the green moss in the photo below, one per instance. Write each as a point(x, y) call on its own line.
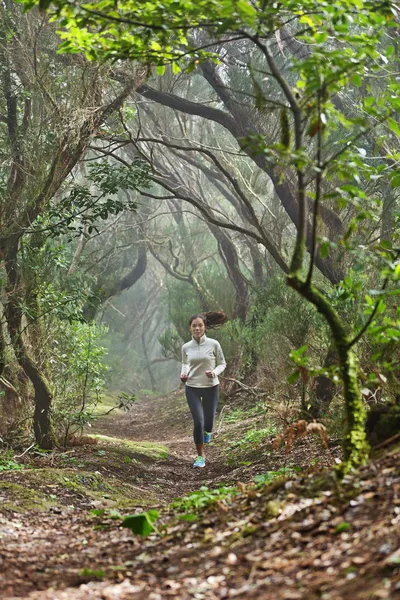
point(82, 483)
point(356, 447)
point(94, 486)
point(149, 449)
point(19, 498)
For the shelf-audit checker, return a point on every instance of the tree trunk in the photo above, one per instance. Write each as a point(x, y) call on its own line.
point(103, 293)
point(153, 382)
point(42, 420)
point(355, 444)
point(324, 387)
point(388, 210)
point(229, 256)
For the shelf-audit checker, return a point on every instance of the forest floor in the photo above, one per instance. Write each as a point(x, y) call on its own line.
point(253, 524)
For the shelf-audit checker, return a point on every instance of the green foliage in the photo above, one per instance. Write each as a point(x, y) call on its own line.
point(85, 205)
point(7, 462)
point(340, 148)
point(204, 497)
point(344, 526)
point(252, 438)
point(125, 401)
point(278, 320)
point(266, 478)
point(78, 374)
point(92, 573)
point(237, 415)
point(143, 523)
point(171, 344)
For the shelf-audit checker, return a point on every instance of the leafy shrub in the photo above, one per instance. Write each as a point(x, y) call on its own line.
point(78, 374)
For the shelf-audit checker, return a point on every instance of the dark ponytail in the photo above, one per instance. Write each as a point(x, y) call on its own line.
point(211, 319)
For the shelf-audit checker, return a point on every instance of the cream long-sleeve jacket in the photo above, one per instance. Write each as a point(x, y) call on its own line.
point(199, 357)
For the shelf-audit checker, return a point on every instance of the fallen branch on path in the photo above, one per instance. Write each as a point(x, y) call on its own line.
point(252, 390)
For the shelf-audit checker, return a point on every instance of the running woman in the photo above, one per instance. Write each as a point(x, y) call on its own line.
point(202, 362)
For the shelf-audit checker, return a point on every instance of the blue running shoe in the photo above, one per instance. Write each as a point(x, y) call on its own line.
point(199, 462)
point(207, 437)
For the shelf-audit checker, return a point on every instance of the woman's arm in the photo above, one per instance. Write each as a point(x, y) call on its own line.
point(185, 366)
point(220, 361)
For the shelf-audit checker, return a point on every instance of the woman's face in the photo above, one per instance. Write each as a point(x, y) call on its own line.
point(197, 327)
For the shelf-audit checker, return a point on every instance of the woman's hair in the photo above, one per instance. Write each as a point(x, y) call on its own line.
point(211, 319)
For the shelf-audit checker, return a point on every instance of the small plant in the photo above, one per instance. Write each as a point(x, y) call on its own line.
point(238, 414)
point(125, 401)
point(270, 476)
point(96, 573)
point(204, 497)
point(143, 523)
point(7, 463)
point(253, 437)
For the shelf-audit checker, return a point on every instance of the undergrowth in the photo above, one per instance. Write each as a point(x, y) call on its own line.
point(7, 463)
point(224, 494)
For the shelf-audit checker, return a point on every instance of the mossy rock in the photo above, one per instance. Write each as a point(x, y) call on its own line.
point(147, 449)
point(19, 498)
point(38, 485)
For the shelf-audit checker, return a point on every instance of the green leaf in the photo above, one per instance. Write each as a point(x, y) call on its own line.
point(395, 180)
point(191, 67)
point(141, 524)
point(97, 573)
point(356, 80)
point(394, 126)
point(175, 68)
point(189, 517)
point(324, 249)
point(293, 377)
point(343, 526)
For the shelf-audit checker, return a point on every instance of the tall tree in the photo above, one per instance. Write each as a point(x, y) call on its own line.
point(50, 107)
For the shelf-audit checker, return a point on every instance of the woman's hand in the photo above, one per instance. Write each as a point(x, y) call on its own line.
point(184, 377)
point(210, 374)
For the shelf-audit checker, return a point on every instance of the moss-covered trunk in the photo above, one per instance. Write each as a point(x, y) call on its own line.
point(355, 444)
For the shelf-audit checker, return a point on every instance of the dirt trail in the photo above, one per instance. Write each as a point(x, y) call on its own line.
point(305, 539)
point(168, 421)
point(59, 547)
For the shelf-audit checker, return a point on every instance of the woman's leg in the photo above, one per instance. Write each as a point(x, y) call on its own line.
point(210, 403)
point(193, 397)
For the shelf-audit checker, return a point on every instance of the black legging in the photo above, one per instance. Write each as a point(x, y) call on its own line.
point(203, 406)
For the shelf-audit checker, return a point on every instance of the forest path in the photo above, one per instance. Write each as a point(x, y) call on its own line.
point(304, 539)
point(167, 421)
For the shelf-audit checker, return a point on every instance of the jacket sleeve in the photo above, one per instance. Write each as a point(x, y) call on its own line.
point(185, 363)
point(220, 361)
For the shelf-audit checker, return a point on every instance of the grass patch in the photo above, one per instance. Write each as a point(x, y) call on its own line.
point(239, 414)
